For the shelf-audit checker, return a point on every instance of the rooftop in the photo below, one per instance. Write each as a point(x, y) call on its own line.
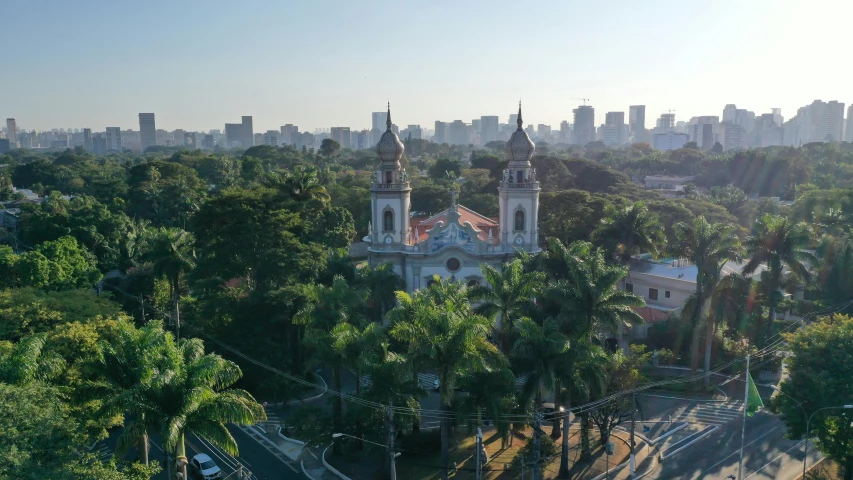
point(420, 226)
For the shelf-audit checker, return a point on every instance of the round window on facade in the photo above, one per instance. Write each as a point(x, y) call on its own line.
point(453, 264)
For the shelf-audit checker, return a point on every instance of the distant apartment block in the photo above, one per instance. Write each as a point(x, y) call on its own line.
point(12, 132)
point(664, 182)
point(271, 137)
point(87, 139)
point(113, 138)
point(669, 140)
point(489, 128)
point(342, 135)
point(99, 144)
point(584, 124)
point(637, 123)
point(147, 130)
point(248, 132)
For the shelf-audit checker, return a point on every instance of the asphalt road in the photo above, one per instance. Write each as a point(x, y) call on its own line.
point(253, 457)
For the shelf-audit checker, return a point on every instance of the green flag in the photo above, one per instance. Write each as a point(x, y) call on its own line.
point(753, 399)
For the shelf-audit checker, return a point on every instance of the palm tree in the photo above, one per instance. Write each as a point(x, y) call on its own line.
point(777, 243)
point(331, 317)
point(134, 360)
point(172, 255)
point(28, 362)
point(509, 295)
point(630, 230)
point(589, 299)
point(382, 282)
point(583, 373)
point(709, 247)
point(539, 353)
point(195, 398)
point(442, 326)
point(303, 184)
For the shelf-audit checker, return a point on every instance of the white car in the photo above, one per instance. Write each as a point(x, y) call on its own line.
point(203, 466)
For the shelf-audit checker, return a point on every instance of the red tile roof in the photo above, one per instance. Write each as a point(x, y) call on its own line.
point(420, 226)
point(652, 315)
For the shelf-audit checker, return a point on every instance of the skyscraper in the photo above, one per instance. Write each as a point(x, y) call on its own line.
point(114, 138)
point(378, 120)
point(99, 144)
point(87, 139)
point(147, 130)
point(272, 138)
point(457, 133)
point(233, 135)
point(614, 123)
point(12, 132)
point(489, 129)
point(637, 122)
point(288, 132)
point(584, 124)
point(343, 136)
point(849, 136)
point(834, 121)
point(248, 132)
point(440, 132)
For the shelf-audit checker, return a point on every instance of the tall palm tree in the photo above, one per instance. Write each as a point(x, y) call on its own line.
point(195, 398)
point(583, 372)
point(133, 361)
point(330, 317)
point(589, 299)
point(452, 338)
point(303, 184)
point(508, 295)
point(172, 255)
point(539, 353)
point(630, 230)
point(777, 243)
point(708, 246)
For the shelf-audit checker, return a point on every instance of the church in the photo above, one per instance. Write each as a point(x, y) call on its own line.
point(454, 243)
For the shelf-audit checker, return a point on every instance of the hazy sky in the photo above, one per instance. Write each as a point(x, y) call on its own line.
point(200, 64)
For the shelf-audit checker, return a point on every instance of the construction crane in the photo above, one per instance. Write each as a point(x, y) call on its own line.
point(670, 110)
point(584, 100)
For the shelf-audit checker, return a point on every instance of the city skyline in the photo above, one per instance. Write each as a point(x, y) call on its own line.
point(649, 56)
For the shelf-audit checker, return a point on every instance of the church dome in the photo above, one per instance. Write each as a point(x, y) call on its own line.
point(519, 148)
point(390, 148)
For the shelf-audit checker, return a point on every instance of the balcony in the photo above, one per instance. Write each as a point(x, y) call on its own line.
point(520, 185)
point(392, 186)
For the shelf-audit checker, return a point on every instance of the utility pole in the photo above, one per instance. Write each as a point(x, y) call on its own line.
point(479, 465)
point(743, 422)
point(536, 445)
point(389, 418)
point(633, 419)
point(522, 468)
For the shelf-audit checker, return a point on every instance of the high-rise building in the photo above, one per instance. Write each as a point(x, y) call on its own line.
point(87, 139)
point(234, 135)
point(179, 138)
point(99, 144)
point(849, 134)
point(489, 126)
point(637, 123)
point(378, 120)
point(343, 136)
point(440, 135)
point(414, 132)
point(208, 142)
point(834, 121)
point(147, 130)
point(565, 131)
point(12, 132)
point(584, 124)
point(543, 132)
point(729, 113)
point(703, 131)
point(113, 138)
point(287, 133)
point(665, 123)
point(614, 123)
point(731, 136)
point(248, 132)
point(271, 138)
point(189, 140)
point(669, 140)
point(457, 133)
point(4, 145)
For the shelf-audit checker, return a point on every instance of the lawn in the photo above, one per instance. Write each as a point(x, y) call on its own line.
point(504, 463)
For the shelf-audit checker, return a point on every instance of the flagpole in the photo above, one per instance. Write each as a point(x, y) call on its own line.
point(743, 422)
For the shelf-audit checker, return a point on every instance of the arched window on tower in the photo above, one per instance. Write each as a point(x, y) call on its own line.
point(520, 176)
point(388, 221)
point(519, 220)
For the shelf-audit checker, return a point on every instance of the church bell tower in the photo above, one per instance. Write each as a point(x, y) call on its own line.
point(518, 194)
point(390, 193)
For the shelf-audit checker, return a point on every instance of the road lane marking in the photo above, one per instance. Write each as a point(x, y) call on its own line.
point(734, 453)
point(777, 458)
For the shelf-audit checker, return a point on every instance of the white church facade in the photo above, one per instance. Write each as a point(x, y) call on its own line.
point(454, 243)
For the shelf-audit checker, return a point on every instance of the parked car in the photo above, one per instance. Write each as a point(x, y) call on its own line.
point(204, 467)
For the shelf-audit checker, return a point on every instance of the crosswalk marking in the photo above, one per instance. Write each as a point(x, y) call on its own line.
point(711, 414)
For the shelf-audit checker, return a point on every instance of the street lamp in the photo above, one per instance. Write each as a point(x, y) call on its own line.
point(806, 451)
point(395, 455)
point(779, 390)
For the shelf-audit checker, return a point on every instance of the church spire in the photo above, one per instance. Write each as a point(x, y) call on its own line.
point(519, 121)
point(388, 119)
